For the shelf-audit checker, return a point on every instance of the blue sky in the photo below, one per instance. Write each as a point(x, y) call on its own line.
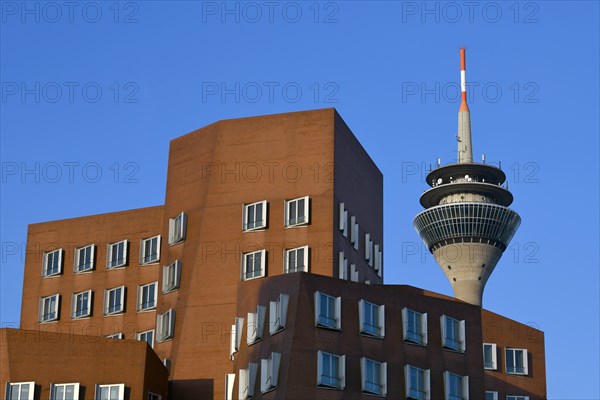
point(93, 92)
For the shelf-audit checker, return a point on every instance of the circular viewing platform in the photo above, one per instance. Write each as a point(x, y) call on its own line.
point(482, 172)
point(433, 196)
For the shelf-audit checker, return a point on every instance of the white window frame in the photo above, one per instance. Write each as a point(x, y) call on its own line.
point(353, 273)
point(341, 371)
point(247, 384)
point(177, 235)
point(165, 326)
point(378, 314)
point(343, 266)
point(263, 256)
point(53, 387)
point(422, 392)
point(120, 396)
point(58, 253)
point(154, 396)
point(30, 393)
point(369, 254)
point(420, 324)
point(464, 386)
point(293, 254)
point(118, 335)
point(278, 313)
point(77, 266)
point(369, 386)
point(451, 343)
point(328, 321)
point(292, 222)
point(377, 254)
point(354, 231)
point(255, 225)
point(516, 397)
point(524, 356)
point(269, 372)
point(256, 324)
point(119, 262)
point(139, 335)
point(229, 383)
point(145, 258)
point(236, 335)
point(43, 312)
point(107, 293)
point(75, 303)
point(493, 393)
point(145, 306)
point(343, 226)
point(173, 271)
point(494, 362)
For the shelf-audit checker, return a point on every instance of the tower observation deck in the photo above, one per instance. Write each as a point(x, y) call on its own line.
point(466, 223)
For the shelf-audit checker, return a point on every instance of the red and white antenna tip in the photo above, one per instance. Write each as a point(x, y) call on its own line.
point(463, 80)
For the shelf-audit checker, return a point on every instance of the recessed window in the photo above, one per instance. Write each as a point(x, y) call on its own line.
point(354, 229)
point(146, 336)
point(84, 258)
point(117, 254)
point(64, 391)
point(453, 333)
point(171, 276)
point(254, 216)
point(114, 300)
point(296, 260)
point(456, 387)
point(516, 361)
point(81, 305)
point(177, 228)
point(147, 296)
point(343, 226)
point(48, 310)
point(489, 356)
point(328, 310)
point(20, 391)
point(150, 250)
point(256, 323)
point(489, 395)
point(153, 396)
point(371, 319)
point(331, 370)
point(247, 381)
point(269, 372)
point(253, 265)
point(414, 326)
point(165, 326)
point(110, 392)
point(236, 335)
point(513, 397)
point(342, 266)
point(52, 263)
point(296, 212)
point(417, 383)
point(118, 335)
point(278, 313)
point(374, 376)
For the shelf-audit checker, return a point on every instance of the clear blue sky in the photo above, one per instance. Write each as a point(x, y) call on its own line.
point(93, 92)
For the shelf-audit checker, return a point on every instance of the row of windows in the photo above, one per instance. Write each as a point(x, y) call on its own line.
point(255, 215)
point(515, 359)
point(254, 263)
point(69, 391)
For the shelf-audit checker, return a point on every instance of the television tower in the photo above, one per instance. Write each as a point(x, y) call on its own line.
point(466, 223)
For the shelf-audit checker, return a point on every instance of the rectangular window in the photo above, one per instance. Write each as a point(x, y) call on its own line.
point(331, 370)
point(114, 300)
point(343, 266)
point(110, 392)
point(81, 304)
point(414, 325)
point(417, 383)
point(177, 228)
point(278, 313)
point(269, 372)
point(253, 265)
point(52, 263)
point(374, 376)
point(171, 276)
point(64, 391)
point(236, 335)
point(153, 396)
point(256, 323)
point(20, 391)
point(296, 260)
point(516, 361)
point(371, 318)
point(150, 250)
point(146, 336)
point(354, 229)
point(146, 299)
point(247, 382)
point(328, 311)
point(377, 254)
point(117, 254)
point(513, 397)
point(343, 220)
point(254, 216)
point(84, 258)
point(296, 212)
point(456, 387)
point(489, 395)
point(453, 333)
point(489, 356)
point(48, 310)
point(118, 335)
point(165, 326)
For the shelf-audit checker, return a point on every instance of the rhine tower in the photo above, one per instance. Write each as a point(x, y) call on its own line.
point(466, 223)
